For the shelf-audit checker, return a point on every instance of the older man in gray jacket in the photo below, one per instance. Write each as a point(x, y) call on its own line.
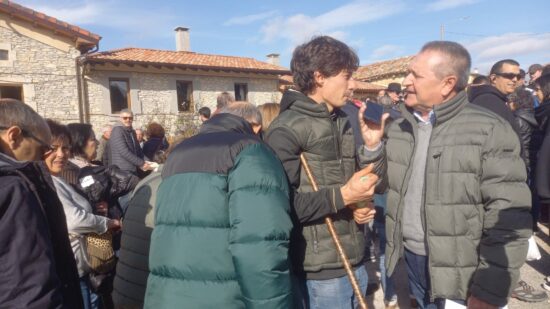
point(125, 151)
point(458, 205)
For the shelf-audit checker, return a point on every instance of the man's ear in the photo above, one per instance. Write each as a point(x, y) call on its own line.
point(492, 78)
point(256, 128)
point(12, 137)
point(318, 78)
point(449, 84)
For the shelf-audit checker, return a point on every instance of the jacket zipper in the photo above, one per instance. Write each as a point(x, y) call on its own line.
point(424, 222)
point(337, 146)
point(315, 240)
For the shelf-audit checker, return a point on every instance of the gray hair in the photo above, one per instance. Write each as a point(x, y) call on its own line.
point(224, 99)
point(16, 113)
point(385, 100)
point(458, 64)
point(106, 128)
point(126, 111)
point(245, 110)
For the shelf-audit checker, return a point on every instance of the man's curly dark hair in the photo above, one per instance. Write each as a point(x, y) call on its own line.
point(323, 54)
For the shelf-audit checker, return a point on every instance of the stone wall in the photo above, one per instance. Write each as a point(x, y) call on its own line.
point(153, 96)
point(47, 75)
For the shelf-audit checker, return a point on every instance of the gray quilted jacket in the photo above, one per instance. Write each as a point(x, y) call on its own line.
point(476, 203)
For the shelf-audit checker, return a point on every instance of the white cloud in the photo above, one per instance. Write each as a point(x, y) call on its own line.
point(135, 22)
point(385, 52)
point(248, 19)
point(441, 5)
point(299, 28)
point(526, 48)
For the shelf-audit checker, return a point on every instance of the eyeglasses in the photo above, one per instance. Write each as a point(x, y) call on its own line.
point(510, 76)
point(127, 118)
point(45, 147)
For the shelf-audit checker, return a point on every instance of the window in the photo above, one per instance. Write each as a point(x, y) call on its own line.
point(241, 92)
point(185, 96)
point(119, 89)
point(11, 92)
point(4, 54)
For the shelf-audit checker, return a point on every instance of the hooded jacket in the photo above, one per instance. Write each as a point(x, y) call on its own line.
point(36, 261)
point(222, 225)
point(489, 97)
point(327, 141)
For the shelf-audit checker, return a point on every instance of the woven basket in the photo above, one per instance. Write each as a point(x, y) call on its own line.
point(99, 250)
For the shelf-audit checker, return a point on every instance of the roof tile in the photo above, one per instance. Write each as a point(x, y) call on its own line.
point(384, 68)
point(185, 59)
point(46, 21)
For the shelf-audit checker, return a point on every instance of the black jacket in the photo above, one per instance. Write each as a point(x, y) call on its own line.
point(490, 98)
point(36, 260)
point(527, 125)
point(125, 151)
point(542, 174)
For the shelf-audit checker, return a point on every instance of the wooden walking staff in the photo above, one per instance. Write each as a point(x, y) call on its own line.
point(336, 239)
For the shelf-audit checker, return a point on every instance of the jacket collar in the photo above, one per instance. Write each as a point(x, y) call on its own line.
point(443, 112)
point(297, 101)
point(9, 163)
point(224, 123)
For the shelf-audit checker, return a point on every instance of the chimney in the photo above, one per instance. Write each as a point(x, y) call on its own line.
point(273, 59)
point(182, 39)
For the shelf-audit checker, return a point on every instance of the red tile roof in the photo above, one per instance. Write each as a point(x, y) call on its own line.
point(84, 39)
point(185, 60)
point(383, 69)
point(366, 86)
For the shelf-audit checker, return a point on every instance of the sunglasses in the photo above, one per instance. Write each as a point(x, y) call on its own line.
point(45, 147)
point(127, 118)
point(509, 75)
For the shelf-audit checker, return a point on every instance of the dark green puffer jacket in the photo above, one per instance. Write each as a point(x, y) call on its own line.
point(327, 141)
point(222, 224)
point(476, 202)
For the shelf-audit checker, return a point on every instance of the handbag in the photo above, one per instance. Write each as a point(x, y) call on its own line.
point(99, 254)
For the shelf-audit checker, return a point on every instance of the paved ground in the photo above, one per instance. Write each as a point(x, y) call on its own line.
point(532, 272)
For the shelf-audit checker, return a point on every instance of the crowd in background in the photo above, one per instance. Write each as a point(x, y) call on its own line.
point(62, 189)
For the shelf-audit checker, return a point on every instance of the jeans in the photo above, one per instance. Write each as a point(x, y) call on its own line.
point(419, 281)
point(387, 282)
point(91, 300)
point(334, 293)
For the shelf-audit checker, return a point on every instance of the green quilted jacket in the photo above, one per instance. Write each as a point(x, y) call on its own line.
point(222, 224)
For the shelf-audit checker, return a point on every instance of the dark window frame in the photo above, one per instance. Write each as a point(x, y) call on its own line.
point(128, 98)
point(191, 105)
point(237, 93)
point(5, 52)
point(21, 93)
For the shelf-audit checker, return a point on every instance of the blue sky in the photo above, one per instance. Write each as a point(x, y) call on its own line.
point(376, 29)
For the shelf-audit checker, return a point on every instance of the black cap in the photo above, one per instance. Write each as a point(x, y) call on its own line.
point(394, 87)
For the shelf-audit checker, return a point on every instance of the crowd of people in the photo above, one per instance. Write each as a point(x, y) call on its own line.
point(451, 179)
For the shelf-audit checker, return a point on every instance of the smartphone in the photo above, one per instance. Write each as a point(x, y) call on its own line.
point(374, 112)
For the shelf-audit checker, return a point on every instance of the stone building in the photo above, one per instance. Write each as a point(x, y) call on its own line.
point(384, 72)
point(170, 86)
point(38, 64)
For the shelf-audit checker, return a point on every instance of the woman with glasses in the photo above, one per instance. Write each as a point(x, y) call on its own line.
point(78, 211)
